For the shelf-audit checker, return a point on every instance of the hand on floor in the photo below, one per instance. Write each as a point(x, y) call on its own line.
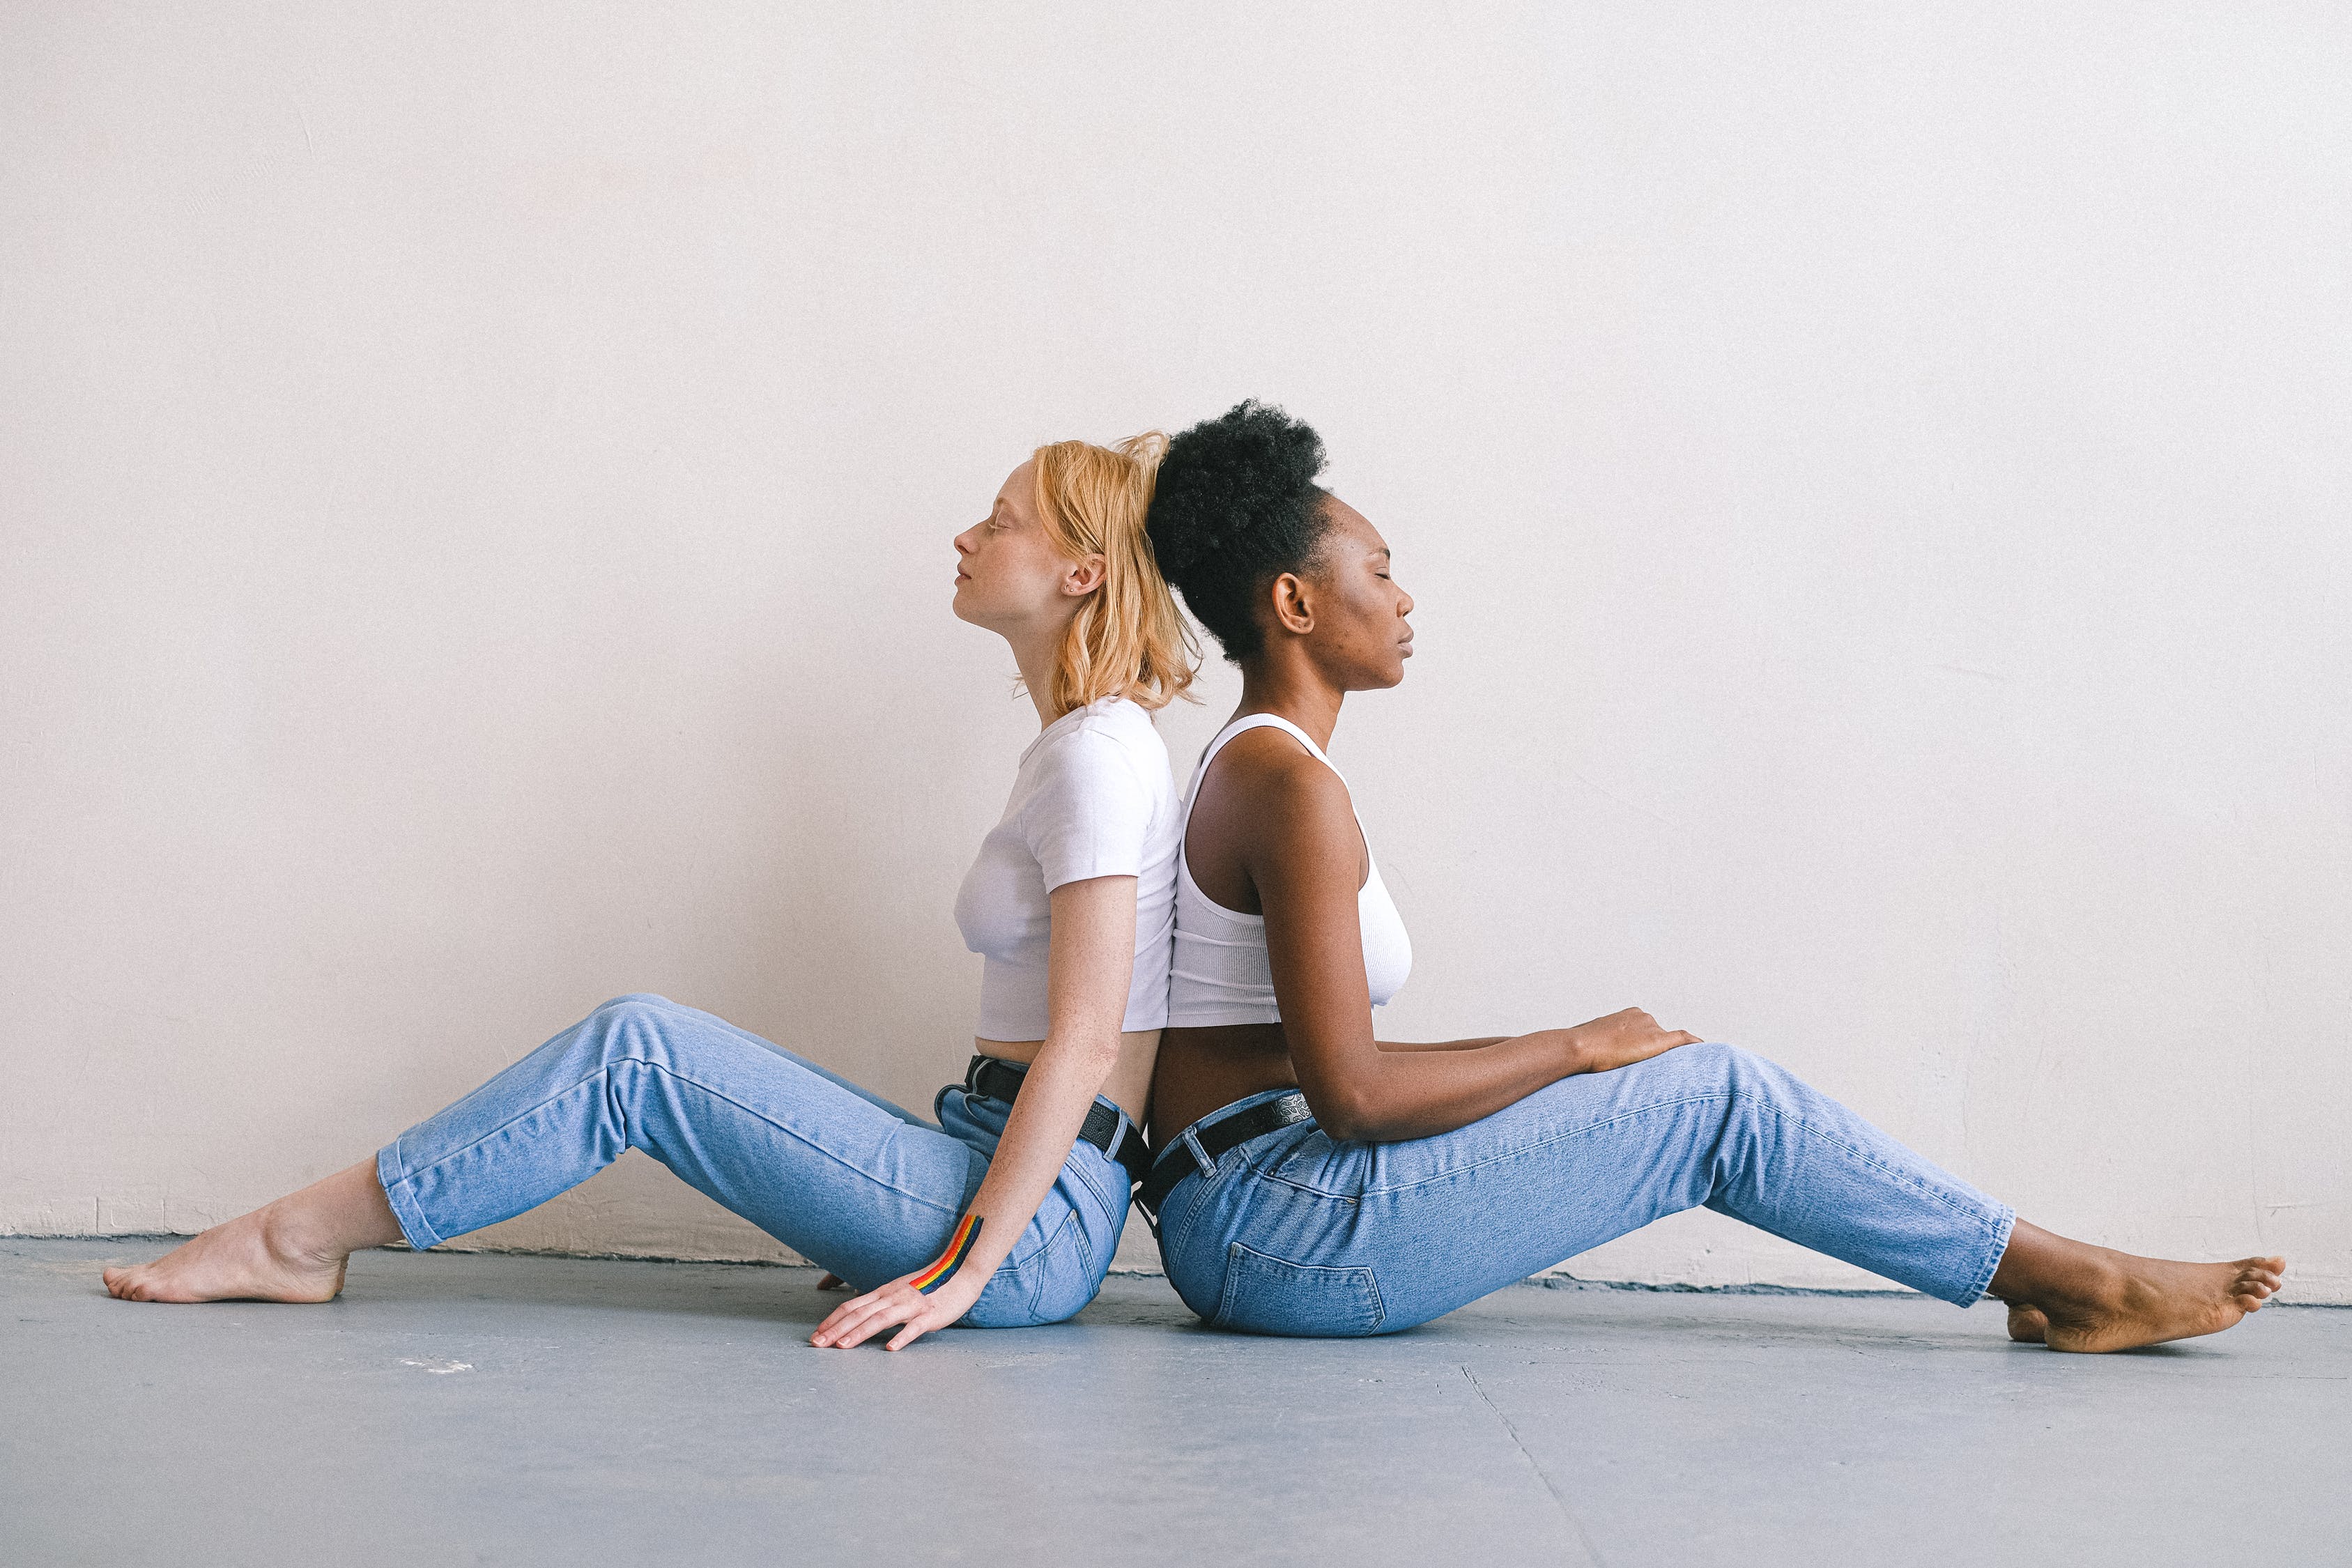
point(860, 1318)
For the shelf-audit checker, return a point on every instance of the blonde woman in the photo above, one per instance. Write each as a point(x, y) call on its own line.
point(1006, 1210)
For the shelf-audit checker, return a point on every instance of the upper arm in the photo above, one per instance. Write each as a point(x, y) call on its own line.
point(1303, 852)
point(1090, 960)
point(1090, 812)
point(1089, 823)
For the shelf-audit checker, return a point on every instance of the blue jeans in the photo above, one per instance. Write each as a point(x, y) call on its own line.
point(841, 1176)
point(1292, 1233)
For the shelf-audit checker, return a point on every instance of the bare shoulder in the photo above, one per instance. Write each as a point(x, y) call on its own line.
point(1264, 778)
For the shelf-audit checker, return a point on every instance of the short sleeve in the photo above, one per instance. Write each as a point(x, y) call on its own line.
point(1089, 814)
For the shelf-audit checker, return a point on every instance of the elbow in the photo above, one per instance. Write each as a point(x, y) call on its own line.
point(1345, 1115)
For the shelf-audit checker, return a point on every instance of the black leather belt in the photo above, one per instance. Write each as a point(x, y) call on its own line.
point(1177, 1161)
point(1107, 1130)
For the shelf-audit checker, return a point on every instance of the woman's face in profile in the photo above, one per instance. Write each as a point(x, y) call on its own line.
point(1360, 626)
point(1007, 571)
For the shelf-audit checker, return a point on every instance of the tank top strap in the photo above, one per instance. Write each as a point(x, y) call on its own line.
point(1268, 721)
point(1255, 722)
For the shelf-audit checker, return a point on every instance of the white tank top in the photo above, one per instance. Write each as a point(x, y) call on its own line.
point(1220, 973)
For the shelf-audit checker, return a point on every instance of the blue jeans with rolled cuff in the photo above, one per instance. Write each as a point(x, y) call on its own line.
point(1295, 1233)
point(843, 1177)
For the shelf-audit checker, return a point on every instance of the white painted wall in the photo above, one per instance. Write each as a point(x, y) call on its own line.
point(474, 486)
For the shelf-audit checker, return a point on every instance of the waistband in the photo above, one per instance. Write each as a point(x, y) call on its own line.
point(1107, 1127)
point(1197, 1148)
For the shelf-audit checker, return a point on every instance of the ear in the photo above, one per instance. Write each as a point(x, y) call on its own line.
point(1085, 575)
point(1292, 610)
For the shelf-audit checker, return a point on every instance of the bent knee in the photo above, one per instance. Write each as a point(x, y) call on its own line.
point(633, 1024)
point(1713, 1061)
point(641, 1005)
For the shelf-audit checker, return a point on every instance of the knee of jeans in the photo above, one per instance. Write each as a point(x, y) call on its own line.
point(627, 1021)
point(1744, 1073)
point(634, 999)
point(1711, 1061)
point(1712, 1066)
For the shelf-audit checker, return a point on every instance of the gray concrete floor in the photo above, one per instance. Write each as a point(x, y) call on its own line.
point(461, 1409)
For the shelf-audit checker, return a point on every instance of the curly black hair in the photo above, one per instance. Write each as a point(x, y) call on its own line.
point(1235, 506)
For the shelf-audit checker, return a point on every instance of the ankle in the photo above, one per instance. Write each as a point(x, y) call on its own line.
point(297, 1238)
point(2095, 1282)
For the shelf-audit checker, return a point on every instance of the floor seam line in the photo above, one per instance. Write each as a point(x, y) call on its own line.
point(1591, 1552)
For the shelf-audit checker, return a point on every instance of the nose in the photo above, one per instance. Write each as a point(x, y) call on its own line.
point(962, 542)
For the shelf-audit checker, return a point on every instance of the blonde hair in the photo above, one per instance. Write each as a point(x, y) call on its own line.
point(1129, 640)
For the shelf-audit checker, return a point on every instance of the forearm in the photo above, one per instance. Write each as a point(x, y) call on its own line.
point(1089, 964)
point(1480, 1044)
point(1393, 1095)
point(1039, 1132)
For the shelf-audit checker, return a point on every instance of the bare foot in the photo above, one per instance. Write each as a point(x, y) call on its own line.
point(2026, 1324)
point(239, 1262)
point(2148, 1300)
point(293, 1250)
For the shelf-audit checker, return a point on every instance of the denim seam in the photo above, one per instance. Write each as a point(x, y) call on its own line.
point(1267, 1175)
point(1170, 1242)
point(1171, 1245)
point(1077, 1168)
point(1559, 1137)
point(794, 1134)
point(1969, 1210)
point(1043, 1255)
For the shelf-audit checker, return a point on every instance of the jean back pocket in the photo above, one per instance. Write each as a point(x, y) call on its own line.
point(1265, 1295)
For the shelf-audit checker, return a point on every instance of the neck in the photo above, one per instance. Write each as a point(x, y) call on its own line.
point(1294, 689)
point(1034, 650)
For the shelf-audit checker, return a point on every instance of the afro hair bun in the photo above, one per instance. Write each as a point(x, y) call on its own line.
point(1235, 506)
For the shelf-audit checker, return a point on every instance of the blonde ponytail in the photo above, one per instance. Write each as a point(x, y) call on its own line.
point(1128, 639)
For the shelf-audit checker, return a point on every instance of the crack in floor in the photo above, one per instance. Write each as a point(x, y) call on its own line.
point(1591, 1552)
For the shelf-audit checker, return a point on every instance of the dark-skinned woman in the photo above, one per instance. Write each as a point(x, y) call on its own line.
point(1313, 1178)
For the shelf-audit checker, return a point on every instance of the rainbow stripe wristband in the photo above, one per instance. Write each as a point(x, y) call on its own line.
point(967, 1231)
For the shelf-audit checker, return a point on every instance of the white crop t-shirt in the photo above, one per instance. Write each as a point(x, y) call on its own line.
point(1094, 798)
